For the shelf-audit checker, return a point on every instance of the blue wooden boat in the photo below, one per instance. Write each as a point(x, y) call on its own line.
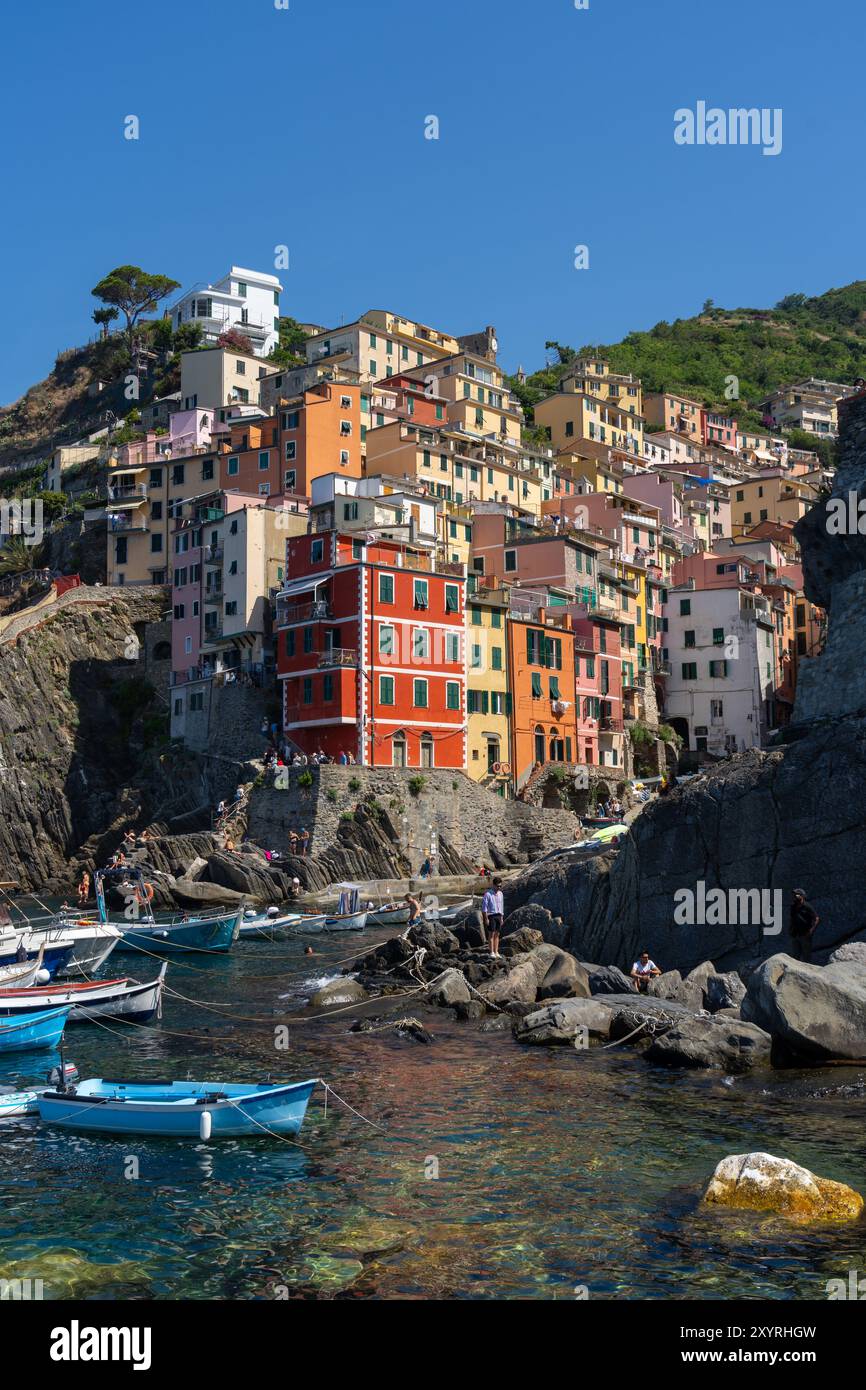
point(178, 1109)
point(34, 1030)
point(203, 934)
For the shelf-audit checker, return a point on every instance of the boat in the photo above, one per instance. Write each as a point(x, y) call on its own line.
point(24, 975)
point(211, 935)
point(350, 916)
point(44, 1029)
point(267, 926)
point(178, 1109)
point(123, 998)
point(389, 915)
point(447, 916)
point(92, 942)
point(53, 955)
point(310, 922)
point(13, 1103)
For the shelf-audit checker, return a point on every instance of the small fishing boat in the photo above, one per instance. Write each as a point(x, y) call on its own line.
point(389, 915)
point(92, 942)
point(267, 926)
point(178, 1109)
point(14, 1103)
point(350, 916)
point(53, 955)
point(209, 935)
point(122, 998)
point(23, 976)
point(450, 913)
point(33, 1030)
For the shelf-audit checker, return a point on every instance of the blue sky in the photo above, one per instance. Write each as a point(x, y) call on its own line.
point(306, 127)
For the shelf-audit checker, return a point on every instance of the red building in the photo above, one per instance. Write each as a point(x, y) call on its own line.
point(371, 651)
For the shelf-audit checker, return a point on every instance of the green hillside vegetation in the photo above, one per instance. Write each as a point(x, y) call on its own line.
point(823, 336)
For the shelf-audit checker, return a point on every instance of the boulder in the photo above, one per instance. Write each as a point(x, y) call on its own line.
point(725, 992)
point(815, 1010)
point(531, 915)
point(189, 894)
point(449, 989)
point(609, 979)
point(245, 873)
point(342, 991)
point(516, 985)
point(524, 939)
point(497, 1023)
point(656, 1015)
point(852, 950)
point(469, 1012)
point(565, 977)
point(470, 930)
point(436, 940)
point(564, 1021)
point(195, 868)
point(668, 985)
point(762, 1182)
point(715, 1043)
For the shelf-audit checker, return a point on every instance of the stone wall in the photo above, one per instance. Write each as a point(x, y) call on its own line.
point(229, 724)
point(449, 804)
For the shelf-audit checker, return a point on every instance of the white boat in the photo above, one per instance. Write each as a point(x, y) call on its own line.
point(123, 998)
point(14, 1103)
point(92, 942)
point(388, 915)
point(265, 926)
point(24, 975)
point(346, 921)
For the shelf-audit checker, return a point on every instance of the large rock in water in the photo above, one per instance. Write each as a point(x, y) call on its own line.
point(762, 1182)
point(342, 991)
point(816, 1010)
point(517, 985)
point(450, 988)
point(721, 1044)
point(565, 1021)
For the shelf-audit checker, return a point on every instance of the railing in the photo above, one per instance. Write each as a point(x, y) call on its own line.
point(130, 492)
point(212, 554)
point(214, 594)
point(338, 656)
point(315, 611)
point(127, 523)
point(609, 724)
point(213, 633)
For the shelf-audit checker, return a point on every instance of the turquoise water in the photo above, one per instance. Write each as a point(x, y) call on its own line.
point(556, 1169)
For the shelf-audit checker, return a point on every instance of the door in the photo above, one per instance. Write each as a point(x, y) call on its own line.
point(539, 745)
point(492, 753)
point(398, 750)
point(426, 750)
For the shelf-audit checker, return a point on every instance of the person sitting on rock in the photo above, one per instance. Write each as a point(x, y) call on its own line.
point(801, 925)
point(643, 971)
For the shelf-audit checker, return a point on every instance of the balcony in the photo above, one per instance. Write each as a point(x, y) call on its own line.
point(317, 611)
point(129, 521)
point(214, 594)
point(338, 656)
point(212, 554)
point(212, 633)
point(610, 724)
point(129, 495)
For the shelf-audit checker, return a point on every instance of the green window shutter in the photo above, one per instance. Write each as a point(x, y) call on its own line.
point(536, 685)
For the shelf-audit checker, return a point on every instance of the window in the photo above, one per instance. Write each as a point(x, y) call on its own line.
point(685, 607)
point(719, 670)
point(242, 289)
point(308, 639)
point(155, 477)
point(233, 467)
point(179, 610)
point(386, 640)
point(690, 671)
point(553, 682)
point(689, 637)
point(178, 706)
point(420, 590)
point(290, 419)
point(718, 636)
point(717, 709)
point(207, 471)
point(232, 608)
point(386, 690)
point(452, 646)
point(536, 686)
point(290, 642)
point(328, 687)
point(386, 588)
point(289, 480)
point(264, 460)
point(452, 598)
point(452, 694)
point(496, 658)
point(308, 690)
point(291, 450)
point(187, 646)
point(156, 511)
point(317, 552)
point(420, 644)
point(264, 489)
point(156, 545)
point(419, 697)
point(510, 561)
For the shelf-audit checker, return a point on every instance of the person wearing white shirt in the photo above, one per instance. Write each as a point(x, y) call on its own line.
point(643, 971)
point(492, 912)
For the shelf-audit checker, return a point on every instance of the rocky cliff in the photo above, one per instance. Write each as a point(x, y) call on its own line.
point(790, 817)
point(77, 718)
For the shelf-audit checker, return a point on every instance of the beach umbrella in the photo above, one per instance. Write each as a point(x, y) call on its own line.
point(608, 832)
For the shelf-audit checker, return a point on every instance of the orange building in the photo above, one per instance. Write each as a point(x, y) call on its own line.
point(317, 432)
point(542, 683)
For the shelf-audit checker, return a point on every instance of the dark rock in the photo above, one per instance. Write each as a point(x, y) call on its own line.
point(338, 992)
point(450, 989)
point(470, 930)
point(565, 1021)
point(436, 940)
point(470, 1011)
point(564, 977)
point(523, 939)
point(531, 915)
point(712, 1043)
point(609, 979)
point(515, 985)
point(189, 894)
point(652, 1016)
point(725, 992)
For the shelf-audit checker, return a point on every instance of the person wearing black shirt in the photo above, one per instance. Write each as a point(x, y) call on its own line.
point(801, 926)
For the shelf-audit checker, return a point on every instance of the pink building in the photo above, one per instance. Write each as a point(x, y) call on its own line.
point(718, 429)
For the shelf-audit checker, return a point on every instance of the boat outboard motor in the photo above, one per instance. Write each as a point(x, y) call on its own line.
point(64, 1077)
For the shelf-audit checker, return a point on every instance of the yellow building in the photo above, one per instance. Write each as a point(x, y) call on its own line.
point(457, 468)
point(477, 399)
point(488, 701)
point(675, 412)
point(774, 496)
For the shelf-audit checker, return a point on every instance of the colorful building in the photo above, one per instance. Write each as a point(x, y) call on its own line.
point(542, 684)
point(488, 699)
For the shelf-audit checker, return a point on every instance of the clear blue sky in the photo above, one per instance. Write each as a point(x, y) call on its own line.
point(306, 127)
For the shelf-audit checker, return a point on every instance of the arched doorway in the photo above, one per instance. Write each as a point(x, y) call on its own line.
point(681, 726)
point(557, 747)
point(539, 744)
point(426, 750)
point(162, 651)
point(398, 750)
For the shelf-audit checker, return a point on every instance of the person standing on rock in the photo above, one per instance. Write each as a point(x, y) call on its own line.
point(801, 925)
point(492, 913)
point(305, 840)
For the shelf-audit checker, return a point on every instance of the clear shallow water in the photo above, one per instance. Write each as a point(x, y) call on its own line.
point(555, 1168)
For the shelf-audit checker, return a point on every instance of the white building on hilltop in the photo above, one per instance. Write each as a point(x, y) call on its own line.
point(247, 300)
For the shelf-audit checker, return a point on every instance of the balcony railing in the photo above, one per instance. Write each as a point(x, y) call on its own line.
point(129, 522)
point(316, 611)
point(338, 656)
point(609, 724)
point(214, 594)
point(212, 554)
point(131, 492)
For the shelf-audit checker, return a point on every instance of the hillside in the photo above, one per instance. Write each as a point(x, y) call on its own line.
point(764, 348)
